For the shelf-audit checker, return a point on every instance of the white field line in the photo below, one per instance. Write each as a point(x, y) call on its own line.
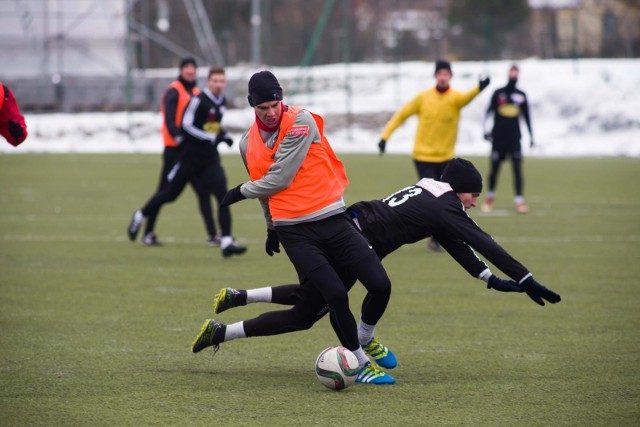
point(189, 241)
point(108, 239)
point(569, 239)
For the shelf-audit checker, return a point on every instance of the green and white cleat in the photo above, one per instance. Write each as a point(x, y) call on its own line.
point(211, 334)
point(381, 354)
point(371, 374)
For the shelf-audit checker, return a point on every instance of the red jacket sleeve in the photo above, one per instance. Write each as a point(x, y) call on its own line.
point(12, 125)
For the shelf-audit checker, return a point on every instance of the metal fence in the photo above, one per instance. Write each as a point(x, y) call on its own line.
point(76, 94)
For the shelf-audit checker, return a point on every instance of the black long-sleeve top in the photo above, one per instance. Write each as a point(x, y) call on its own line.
point(202, 119)
point(507, 105)
point(431, 208)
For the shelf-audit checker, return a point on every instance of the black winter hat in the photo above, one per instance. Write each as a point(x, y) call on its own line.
point(188, 61)
point(462, 176)
point(263, 87)
point(441, 64)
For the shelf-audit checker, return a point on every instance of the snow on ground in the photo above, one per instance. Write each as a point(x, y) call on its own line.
point(587, 107)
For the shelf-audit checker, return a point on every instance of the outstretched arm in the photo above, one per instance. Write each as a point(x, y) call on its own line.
point(461, 236)
point(464, 98)
point(408, 110)
point(469, 235)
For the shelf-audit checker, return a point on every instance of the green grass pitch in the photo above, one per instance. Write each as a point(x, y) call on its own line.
point(96, 330)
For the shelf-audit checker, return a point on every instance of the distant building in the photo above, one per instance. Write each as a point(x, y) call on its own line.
point(568, 28)
point(62, 37)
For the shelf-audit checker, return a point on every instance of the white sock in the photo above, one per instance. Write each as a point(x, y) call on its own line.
point(518, 200)
point(365, 332)
point(225, 241)
point(234, 330)
point(138, 216)
point(258, 295)
point(362, 357)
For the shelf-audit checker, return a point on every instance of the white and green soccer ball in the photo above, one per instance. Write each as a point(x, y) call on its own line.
point(337, 368)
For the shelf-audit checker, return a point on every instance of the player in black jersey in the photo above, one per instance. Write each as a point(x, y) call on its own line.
point(199, 159)
point(507, 104)
point(428, 208)
point(174, 101)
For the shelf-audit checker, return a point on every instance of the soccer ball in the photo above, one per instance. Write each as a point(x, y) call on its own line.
point(337, 368)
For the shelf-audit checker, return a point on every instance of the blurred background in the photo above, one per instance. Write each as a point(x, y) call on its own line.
point(89, 74)
point(93, 55)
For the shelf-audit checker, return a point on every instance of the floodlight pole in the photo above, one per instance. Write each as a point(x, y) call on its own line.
point(128, 87)
point(347, 60)
point(256, 23)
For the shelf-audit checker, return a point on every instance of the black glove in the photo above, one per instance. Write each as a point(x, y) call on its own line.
point(531, 144)
point(484, 82)
point(488, 137)
point(15, 129)
point(228, 141)
point(223, 136)
point(273, 243)
point(503, 285)
point(234, 195)
point(537, 292)
point(382, 145)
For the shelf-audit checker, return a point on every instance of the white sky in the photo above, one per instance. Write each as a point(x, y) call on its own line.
point(589, 107)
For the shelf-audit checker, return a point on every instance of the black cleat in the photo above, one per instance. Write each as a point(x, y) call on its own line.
point(233, 249)
point(214, 241)
point(211, 334)
point(134, 225)
point(150, 239)
point(228, 298)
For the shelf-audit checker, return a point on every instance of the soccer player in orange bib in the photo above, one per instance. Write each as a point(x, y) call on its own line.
point(299, 181)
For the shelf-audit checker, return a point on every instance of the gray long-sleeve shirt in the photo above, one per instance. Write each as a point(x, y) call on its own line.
point(288, 158)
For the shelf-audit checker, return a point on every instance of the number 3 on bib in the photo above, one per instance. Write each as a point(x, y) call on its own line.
point(402, 196)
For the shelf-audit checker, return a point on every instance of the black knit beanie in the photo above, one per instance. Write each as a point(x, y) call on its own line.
point(263, 87)
point(441, 64)
point(462, 176)
point(188, 61)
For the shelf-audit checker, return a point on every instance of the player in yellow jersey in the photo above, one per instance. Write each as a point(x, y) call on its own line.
point(438, 111)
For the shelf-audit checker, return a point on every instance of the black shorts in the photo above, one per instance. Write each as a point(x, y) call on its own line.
point(201, 167)
point(310, 298)
point(334, 240)
point(430, 169)
point(503, 148)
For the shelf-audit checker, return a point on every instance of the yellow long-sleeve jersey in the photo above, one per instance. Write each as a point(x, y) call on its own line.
point(438, 117)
